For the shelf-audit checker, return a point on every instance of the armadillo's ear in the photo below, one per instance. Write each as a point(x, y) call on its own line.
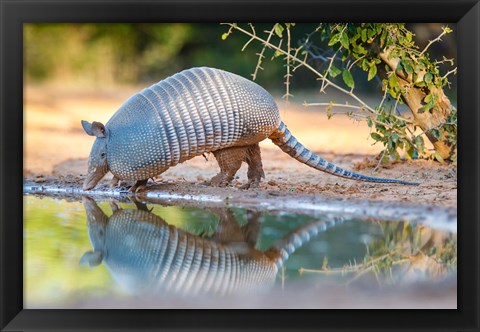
point(94, 129)
point(87, 126)
point(98, 129)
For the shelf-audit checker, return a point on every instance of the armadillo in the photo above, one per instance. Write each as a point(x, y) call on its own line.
point(145, 255)
point(193, 112)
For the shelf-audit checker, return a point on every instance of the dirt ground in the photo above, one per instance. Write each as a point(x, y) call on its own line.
point(56, 151)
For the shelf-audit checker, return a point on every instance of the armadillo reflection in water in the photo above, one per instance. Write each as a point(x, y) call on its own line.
point(145, 255)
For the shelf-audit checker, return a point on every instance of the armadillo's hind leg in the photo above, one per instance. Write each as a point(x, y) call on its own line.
point(255, 168)
point(229, 160)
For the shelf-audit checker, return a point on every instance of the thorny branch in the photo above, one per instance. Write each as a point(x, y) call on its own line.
point(260, 55)
point(439, 38)
point(294, 61)
point(267, 43)
point(330, 63)
point(288, 75)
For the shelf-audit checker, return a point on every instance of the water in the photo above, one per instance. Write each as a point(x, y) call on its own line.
point(110, 254)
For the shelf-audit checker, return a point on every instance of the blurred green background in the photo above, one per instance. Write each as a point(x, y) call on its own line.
point(56, 237)
point(95, 55)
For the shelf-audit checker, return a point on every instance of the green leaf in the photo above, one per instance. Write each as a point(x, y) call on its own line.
point(364, 35)
point(279, 29)
point(435, 133)
point(409, 37)
point(410, 151)
point(359, 49)
point(447, 29)
point(399, 67)
point(393, 82)
point(394, 137)
point(383, 38)
point(372, 72)
point(430, 101)
point(348, 78)
point(380, 128)
point(334, 71)
point(394, 154)
point(438, 157)
point(376, 136)
point(419, 66)
point(419, 143)
point(408, 68)
point(420, 84)
point(335, 39)
point(364, 64)
point(428, 78)
point(344, 40)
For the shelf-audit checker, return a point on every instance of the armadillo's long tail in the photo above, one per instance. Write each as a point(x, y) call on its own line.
point(289, 144)
point(286, 246)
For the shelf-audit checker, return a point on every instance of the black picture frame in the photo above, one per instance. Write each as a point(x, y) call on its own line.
point(14, 13)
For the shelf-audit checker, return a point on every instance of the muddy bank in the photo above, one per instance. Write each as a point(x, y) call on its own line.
point(286, 177)
point(194, 194)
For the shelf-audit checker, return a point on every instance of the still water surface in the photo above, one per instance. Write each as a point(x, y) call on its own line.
point(88, 254)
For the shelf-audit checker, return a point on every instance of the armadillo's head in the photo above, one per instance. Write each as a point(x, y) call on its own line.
point(97, 163)
point(97, 222)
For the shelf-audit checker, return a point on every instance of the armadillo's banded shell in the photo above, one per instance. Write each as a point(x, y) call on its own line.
point(195, 111)
point(144, 254)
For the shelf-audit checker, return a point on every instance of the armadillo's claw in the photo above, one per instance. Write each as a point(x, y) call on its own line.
point(139, 186)
point(245, 186)
point(220, 180)
point(137, 189)
point(251, 184)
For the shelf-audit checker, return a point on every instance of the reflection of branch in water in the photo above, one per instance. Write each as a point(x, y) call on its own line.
point(404, 254)
point(145, 255)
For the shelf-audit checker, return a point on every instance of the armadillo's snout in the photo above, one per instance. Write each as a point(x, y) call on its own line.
point(93, 178)
point(96, 172)
point(90, 183)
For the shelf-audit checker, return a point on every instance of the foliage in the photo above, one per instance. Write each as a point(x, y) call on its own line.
point(370, 47)
point(101, 52)
point(428, 251)
point(131, 53)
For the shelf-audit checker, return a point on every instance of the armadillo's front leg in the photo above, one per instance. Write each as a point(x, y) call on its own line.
point(255, 168)
point(229, 160)
point(115, 182)
point(114, 206)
